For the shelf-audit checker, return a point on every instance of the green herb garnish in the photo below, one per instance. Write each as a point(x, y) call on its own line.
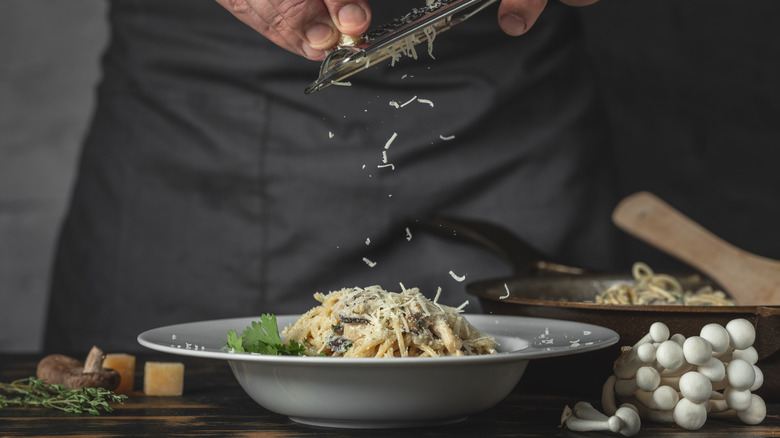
point(33, 392)
point(263, 337)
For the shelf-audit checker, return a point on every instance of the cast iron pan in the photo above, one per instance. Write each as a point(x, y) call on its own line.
point(545, 289)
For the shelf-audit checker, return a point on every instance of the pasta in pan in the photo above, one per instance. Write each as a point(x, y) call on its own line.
point(372, 322)
point(661, 289)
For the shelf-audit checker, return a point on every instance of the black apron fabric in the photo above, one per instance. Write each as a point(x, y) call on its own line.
point(210, 186)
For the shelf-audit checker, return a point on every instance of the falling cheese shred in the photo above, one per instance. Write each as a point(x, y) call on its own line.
point(426, 101)
point(456, 277)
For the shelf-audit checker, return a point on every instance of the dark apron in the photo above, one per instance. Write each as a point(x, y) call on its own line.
point(210, 186)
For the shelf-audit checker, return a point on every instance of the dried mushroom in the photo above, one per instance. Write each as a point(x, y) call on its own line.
point(70, 372)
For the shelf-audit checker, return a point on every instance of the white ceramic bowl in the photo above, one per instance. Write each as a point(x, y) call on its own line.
point(385, 392)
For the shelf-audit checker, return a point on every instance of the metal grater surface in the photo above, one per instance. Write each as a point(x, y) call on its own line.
point(397, 23)
point(389, 40)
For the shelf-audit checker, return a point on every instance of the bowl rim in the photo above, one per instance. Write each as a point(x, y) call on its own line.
point(502, 333)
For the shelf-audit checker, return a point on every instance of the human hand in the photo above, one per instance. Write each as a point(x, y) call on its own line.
point(304, 27)
point(517, 16)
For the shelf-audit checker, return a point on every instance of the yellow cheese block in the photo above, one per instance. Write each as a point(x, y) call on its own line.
point(124, 364)
point(163, 378)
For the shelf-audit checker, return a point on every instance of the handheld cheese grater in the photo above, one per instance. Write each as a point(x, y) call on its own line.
point(393, 39)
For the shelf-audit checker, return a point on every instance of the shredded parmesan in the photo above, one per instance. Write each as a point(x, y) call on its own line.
point(406, 47)
point(372, 322)
point(342, 83)
point(369, 262)
point(394, 104)
point(391, 140)
point(447, 138)
point(408, 234)
point(390, 165)
point(426, 101)
point(456, 277)
point(503, 297)
point(408, 101)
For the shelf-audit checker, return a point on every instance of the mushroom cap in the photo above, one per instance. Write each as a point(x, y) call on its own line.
point(759, 379)
point(614, 423)
point(646, 353)
point(741, 374)
point(748, 354)
point(690, 415)
point(756, 413)
point(695, 387)
point(630, 418)
point(647, 378)
point(52, 368)
point(737, 399)
point(717, 336)
point(659, 332)
point(742, 333)
point(697, 350)
point(107, 378)
point(665, 397)
point(714, 369)
point(669, 355)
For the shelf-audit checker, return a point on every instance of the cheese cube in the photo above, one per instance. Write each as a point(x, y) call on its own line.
point(163, 378)
point(124, 364)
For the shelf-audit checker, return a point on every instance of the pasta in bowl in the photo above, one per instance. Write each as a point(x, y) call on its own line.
point(373, 322)
point(421, 388)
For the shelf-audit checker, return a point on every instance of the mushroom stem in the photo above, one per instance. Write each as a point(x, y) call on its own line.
point(612, 424)
point(655, 415)
point(586, 411)
point(608, 395)
point(94, 361)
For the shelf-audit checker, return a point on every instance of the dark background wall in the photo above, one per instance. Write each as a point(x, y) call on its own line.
point(692, 88)
point(49, 54)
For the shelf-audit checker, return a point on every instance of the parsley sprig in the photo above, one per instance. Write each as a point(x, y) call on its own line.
point(263, 337)
point(33, 392)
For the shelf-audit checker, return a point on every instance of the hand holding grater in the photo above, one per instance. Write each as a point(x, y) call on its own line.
point(393, 39)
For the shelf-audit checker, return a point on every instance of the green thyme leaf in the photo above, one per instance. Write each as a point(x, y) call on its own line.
point(33, 392)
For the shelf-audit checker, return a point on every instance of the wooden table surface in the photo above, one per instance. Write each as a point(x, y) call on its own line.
point(214, 405)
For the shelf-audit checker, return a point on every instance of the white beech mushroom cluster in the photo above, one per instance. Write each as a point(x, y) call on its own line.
point(674, 379)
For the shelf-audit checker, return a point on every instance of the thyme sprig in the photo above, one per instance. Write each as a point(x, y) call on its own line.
point(33, 392)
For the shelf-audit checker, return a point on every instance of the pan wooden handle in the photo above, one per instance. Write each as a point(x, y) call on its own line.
point(748, 278)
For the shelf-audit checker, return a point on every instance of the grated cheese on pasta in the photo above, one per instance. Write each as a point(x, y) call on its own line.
point(373, 322)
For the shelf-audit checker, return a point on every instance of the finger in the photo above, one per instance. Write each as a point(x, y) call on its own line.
point(517, 16)
point(301, 22)
point(242, 10)
point(303, 27)
point(351, 17)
